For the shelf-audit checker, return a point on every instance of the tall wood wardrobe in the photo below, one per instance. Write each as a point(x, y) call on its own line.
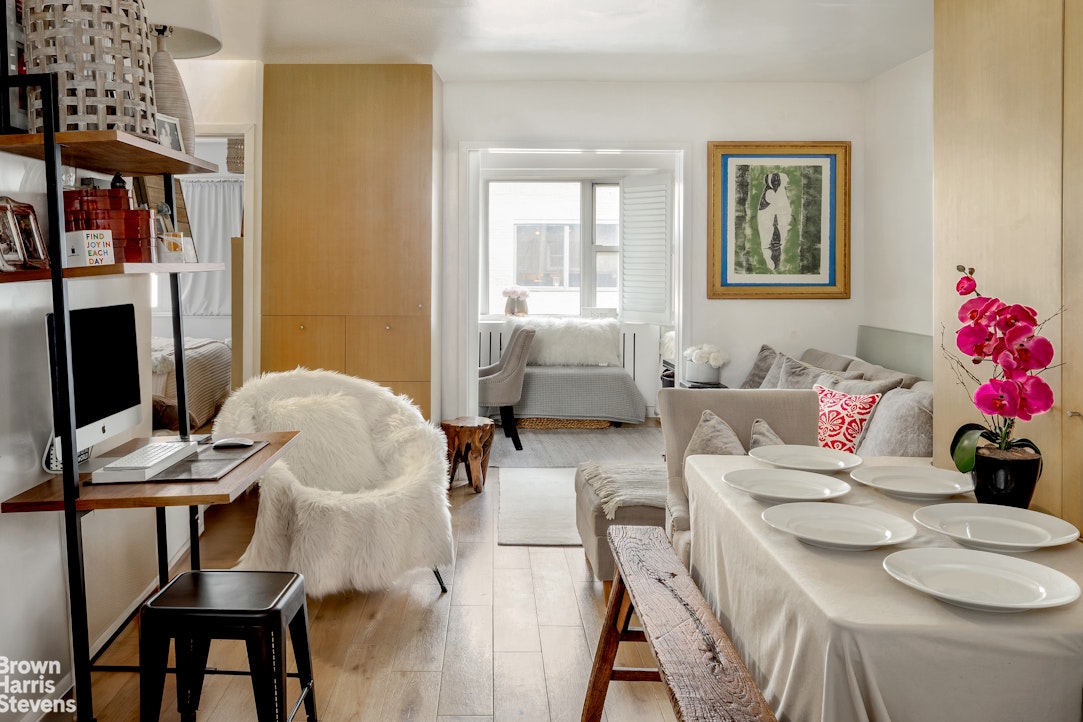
point(350, 191)
point(1008, 200)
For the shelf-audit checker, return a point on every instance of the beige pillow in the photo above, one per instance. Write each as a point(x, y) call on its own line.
point(859, 386)
point(713, 436)
point(763, 435)
point(902, 425)
point(794, 374)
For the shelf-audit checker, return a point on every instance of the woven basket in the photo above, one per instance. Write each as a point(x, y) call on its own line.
point(100, 51)
point(547, 423)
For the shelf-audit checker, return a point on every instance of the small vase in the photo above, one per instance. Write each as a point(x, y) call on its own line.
point(520, 307)
point(1007, 478)
point(701, 373)
point(509, 306)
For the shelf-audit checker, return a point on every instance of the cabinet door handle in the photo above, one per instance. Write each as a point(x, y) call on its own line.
point(302, 327)
point(387, 328)
point(1074, 413)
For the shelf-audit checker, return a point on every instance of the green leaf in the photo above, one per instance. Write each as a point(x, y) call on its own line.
point(1024, 443)
point(964, 447)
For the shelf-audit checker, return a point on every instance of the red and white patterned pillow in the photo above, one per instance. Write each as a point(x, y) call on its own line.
point(843, 417)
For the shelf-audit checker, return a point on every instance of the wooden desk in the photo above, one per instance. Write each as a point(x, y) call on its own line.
point(49, 495)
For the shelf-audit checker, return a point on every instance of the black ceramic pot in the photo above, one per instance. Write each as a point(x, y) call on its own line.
point(1006, 481)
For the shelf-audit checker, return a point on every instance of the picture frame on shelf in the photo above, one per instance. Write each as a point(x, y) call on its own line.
point(12, 257)
point(778, 219)
point(169, 132)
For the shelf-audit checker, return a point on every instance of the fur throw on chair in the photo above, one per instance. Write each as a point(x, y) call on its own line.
point(361, 496)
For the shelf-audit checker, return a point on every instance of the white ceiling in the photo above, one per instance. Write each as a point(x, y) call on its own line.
point(614, 40)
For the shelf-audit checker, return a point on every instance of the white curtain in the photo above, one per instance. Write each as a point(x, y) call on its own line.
point(215, 209)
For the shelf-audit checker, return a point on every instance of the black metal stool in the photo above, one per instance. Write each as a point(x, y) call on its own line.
point(199, 606)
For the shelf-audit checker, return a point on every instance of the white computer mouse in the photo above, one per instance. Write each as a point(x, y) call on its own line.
point(232, 442)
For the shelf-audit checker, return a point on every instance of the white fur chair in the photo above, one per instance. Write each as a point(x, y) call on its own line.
point(361, 496)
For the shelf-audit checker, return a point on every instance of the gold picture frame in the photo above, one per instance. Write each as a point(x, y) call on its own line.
point(778, 219)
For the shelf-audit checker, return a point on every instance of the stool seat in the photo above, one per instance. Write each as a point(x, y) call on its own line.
point(199, 606)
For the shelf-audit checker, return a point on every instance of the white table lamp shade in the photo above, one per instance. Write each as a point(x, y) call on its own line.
point(185, 29)
point(194, 22)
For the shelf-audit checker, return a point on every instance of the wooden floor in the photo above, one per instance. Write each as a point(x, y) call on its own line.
point(513, 639)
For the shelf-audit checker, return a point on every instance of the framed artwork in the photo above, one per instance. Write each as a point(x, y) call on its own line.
point(778, 219)
point(169, 132)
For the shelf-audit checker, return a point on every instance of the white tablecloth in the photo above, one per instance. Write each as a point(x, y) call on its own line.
point(830, 636)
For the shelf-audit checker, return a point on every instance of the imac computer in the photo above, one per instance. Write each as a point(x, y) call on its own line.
point(105, 374)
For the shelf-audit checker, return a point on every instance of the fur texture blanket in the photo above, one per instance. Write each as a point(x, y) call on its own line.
point(361, 496)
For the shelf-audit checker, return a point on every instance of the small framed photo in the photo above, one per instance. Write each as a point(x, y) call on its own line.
point(169, 132)
point(778, 219)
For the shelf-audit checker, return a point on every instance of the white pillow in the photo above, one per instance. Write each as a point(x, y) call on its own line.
point(574, 341)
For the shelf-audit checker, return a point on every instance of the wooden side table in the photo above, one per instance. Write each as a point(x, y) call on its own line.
point(469, 439)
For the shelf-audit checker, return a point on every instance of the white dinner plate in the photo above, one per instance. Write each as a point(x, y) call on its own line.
point(806, 458)
point(996, 528)
point(839, 526)
point(980, 580)
point(777, 485)
point(922, 483)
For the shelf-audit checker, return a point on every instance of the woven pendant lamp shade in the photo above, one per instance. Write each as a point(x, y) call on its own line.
point(170, 95)
point(100, 50)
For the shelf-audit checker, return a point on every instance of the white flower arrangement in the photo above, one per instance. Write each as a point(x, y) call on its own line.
point(516, 292)
point(706, 353)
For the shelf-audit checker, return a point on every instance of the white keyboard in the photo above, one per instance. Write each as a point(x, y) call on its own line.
point(153, 454)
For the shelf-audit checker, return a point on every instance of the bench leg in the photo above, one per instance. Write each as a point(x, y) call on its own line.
point(617, 615)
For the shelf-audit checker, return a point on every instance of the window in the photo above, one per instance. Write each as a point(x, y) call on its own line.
point(536, 239)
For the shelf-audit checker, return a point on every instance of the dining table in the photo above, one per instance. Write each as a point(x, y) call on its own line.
point(829, 635)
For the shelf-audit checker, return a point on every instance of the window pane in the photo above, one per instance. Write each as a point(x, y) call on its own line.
point(534, 241)
point(606, 215)
point(607, 271)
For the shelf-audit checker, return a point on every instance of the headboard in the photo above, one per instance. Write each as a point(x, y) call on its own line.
point(899, 350)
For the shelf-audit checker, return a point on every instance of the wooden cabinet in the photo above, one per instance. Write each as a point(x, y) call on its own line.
point(349, 159)
point(1008, 161)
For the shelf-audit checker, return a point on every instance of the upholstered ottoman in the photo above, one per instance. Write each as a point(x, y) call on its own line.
point(612, 493)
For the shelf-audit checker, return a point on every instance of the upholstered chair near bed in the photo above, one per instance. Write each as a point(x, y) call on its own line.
point(361, 496)
point(501, 384)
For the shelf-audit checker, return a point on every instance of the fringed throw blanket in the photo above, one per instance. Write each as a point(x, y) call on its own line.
point(620, 485)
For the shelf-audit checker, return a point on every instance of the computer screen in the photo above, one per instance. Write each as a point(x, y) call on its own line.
point(105, 372)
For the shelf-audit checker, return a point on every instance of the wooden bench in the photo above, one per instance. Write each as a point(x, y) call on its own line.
point(704, 676)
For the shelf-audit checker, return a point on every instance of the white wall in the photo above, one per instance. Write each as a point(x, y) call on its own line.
point(898, 198)
point(671, 114)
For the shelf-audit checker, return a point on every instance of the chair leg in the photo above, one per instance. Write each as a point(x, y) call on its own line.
point(440, 580)
point(153, 659)
point(192, 652)
point(268, 669)
point(303, 657)
point(507, 420)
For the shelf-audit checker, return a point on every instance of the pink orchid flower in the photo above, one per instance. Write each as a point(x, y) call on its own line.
point(1035, 397)
point(998, 398)
point(966, 286)
point(1009, 317)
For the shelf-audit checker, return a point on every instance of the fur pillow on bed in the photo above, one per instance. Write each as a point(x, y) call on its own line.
point(574, 341)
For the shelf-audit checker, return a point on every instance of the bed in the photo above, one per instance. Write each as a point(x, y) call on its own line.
point(207, 363)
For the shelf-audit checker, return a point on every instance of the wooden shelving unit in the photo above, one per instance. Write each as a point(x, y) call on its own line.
point(115, 269)
point(108, 151)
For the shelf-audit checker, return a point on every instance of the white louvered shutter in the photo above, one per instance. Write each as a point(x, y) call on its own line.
point(646, 265)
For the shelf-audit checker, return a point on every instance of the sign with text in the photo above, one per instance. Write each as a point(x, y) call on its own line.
point(89, 248)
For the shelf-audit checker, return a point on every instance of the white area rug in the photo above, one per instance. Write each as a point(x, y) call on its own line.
point(537, 508)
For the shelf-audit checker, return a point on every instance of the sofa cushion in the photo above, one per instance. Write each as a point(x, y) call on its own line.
point(760, 367)
point(902, 424)
point(713, 436)
point(843, 417)
point(763, 435)
point(859, 386)
point(874, 372)
point(793, 374)
point(826, 359)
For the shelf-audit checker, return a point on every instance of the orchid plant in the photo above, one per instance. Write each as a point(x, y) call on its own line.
point(1008, 337)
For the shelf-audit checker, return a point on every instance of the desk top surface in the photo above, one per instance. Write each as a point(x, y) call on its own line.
point(49, 495)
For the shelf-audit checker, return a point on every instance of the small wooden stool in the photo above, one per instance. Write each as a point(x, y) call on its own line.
point(199, 606)
point(469, 439)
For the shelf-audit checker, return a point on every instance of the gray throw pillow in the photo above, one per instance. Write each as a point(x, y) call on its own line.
point(760, 367)
point(859, 386)
point(876, 372)
point(902, 424)
point(794, 374)
point(713, 436)
point(826, 359)
point(763, 435)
